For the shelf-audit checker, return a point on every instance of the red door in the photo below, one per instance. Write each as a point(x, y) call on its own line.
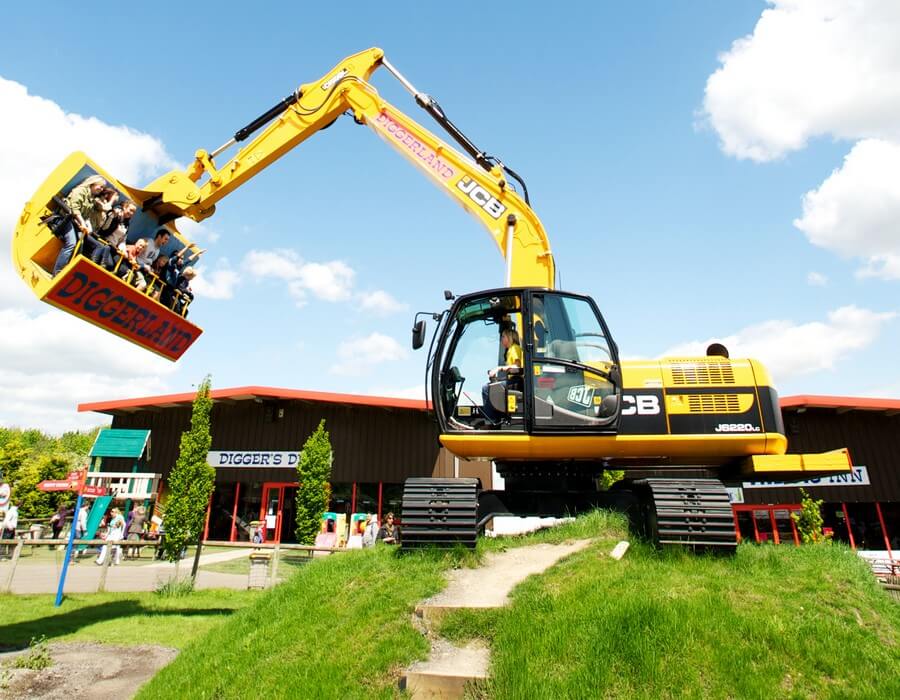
point(272, 509)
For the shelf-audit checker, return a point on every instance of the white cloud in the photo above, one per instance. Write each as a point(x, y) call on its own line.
point(381, 303)
point(38, 134)
point(218, 283)
point(279, 264)
point(331, 281)
point(790, 350)
point(819, 68)
point(359, 356)
point(810, 68)
point(328, 281)
point(197, 233)
point(816, 279)
point(51, 361)
point(855, 212)
point(410, 392)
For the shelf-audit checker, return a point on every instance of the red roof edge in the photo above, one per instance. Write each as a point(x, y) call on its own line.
point(263, 392)
point(847, 402)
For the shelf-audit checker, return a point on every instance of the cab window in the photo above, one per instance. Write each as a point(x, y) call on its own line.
point(570, 379)
point(474, 348)
point(566, 328)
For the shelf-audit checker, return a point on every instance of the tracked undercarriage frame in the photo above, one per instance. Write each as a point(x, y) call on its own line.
point(691, 512)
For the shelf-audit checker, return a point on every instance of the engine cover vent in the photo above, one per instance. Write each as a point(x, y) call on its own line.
point(714, 403)
point(699, 372)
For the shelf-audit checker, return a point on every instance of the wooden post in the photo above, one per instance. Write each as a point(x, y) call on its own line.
point(101, 586)
point(12, 567)
point(273, 572)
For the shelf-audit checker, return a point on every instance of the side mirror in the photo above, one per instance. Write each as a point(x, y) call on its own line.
point(418, 335)
point(609, 406)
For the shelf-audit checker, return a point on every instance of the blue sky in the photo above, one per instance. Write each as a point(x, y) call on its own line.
point(600, 106)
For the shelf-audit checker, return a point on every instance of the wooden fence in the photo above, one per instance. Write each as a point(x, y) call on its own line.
point(276, 551)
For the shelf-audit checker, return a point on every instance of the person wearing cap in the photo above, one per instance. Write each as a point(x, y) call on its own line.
point(81, 202)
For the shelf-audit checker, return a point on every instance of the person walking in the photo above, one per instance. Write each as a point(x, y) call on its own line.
point(10, 523)
point(114, 532)
point(58, 522)
point(136, 531)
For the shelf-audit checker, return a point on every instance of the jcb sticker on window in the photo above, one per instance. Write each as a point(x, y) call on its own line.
point(582, 395)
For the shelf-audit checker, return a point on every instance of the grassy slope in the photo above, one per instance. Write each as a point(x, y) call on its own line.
point(339, 628)
point(118, 618)
point(769, 622)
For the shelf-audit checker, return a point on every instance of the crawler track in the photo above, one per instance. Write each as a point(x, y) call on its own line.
point(439, 512)
point(690, 512)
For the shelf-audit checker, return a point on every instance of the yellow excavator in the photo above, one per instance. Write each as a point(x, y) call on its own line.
point(680, 428)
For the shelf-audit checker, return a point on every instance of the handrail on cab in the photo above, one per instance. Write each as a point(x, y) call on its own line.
point(89, 291)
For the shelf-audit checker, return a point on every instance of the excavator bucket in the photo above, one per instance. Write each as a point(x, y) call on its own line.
point(108, 298)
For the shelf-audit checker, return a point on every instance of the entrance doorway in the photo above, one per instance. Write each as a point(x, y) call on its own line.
point(279, 512)
point(771, 524)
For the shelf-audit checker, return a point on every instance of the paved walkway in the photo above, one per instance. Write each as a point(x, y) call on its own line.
point(84, 576)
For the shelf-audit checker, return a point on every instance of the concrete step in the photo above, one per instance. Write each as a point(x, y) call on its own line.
point(447, 670)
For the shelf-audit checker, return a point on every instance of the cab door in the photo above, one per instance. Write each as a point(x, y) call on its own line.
point(572, 366)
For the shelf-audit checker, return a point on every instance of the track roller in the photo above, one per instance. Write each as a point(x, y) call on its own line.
point(690, 512)
point(439, 512)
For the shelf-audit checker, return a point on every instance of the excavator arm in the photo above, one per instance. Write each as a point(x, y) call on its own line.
point(479, 183)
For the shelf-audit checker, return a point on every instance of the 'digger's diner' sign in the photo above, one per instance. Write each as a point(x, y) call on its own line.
point(89, 292)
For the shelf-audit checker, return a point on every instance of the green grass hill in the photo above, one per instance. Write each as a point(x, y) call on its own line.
point(768, 622)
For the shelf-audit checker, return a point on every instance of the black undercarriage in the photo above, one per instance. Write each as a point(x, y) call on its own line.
point(668, 510)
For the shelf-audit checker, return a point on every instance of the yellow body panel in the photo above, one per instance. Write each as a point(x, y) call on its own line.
point(833, 462)
point(685, 449)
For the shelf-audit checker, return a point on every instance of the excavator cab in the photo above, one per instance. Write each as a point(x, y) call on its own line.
point(569, 380)
point(105, 295)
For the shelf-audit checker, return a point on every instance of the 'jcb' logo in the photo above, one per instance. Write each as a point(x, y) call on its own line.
point(641, 405)
point(481, 197)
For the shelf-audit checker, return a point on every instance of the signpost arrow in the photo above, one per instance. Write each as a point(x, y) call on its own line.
point(51, 485)
point(88, 490)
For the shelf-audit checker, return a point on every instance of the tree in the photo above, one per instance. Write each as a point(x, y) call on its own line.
point(314, 475)
point(191, 481)
point(809, 519)
point(609, 477)
point(28, 457)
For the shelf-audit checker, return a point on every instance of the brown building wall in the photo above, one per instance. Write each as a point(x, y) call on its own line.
point(873, 438)
point(370, 444)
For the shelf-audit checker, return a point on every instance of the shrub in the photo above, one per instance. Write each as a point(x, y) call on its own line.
point(314, 475)
point(37, 658)
point(191, 481)
point(809, 519)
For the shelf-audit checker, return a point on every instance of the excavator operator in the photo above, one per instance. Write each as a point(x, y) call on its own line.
point(509, 339)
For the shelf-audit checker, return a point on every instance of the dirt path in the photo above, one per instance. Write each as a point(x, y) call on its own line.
point(85, 669)
point(489, 586)
point(449, 668)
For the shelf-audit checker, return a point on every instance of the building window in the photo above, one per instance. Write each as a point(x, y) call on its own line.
point(341, 499)
point(367, 498)
point(392, 499)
